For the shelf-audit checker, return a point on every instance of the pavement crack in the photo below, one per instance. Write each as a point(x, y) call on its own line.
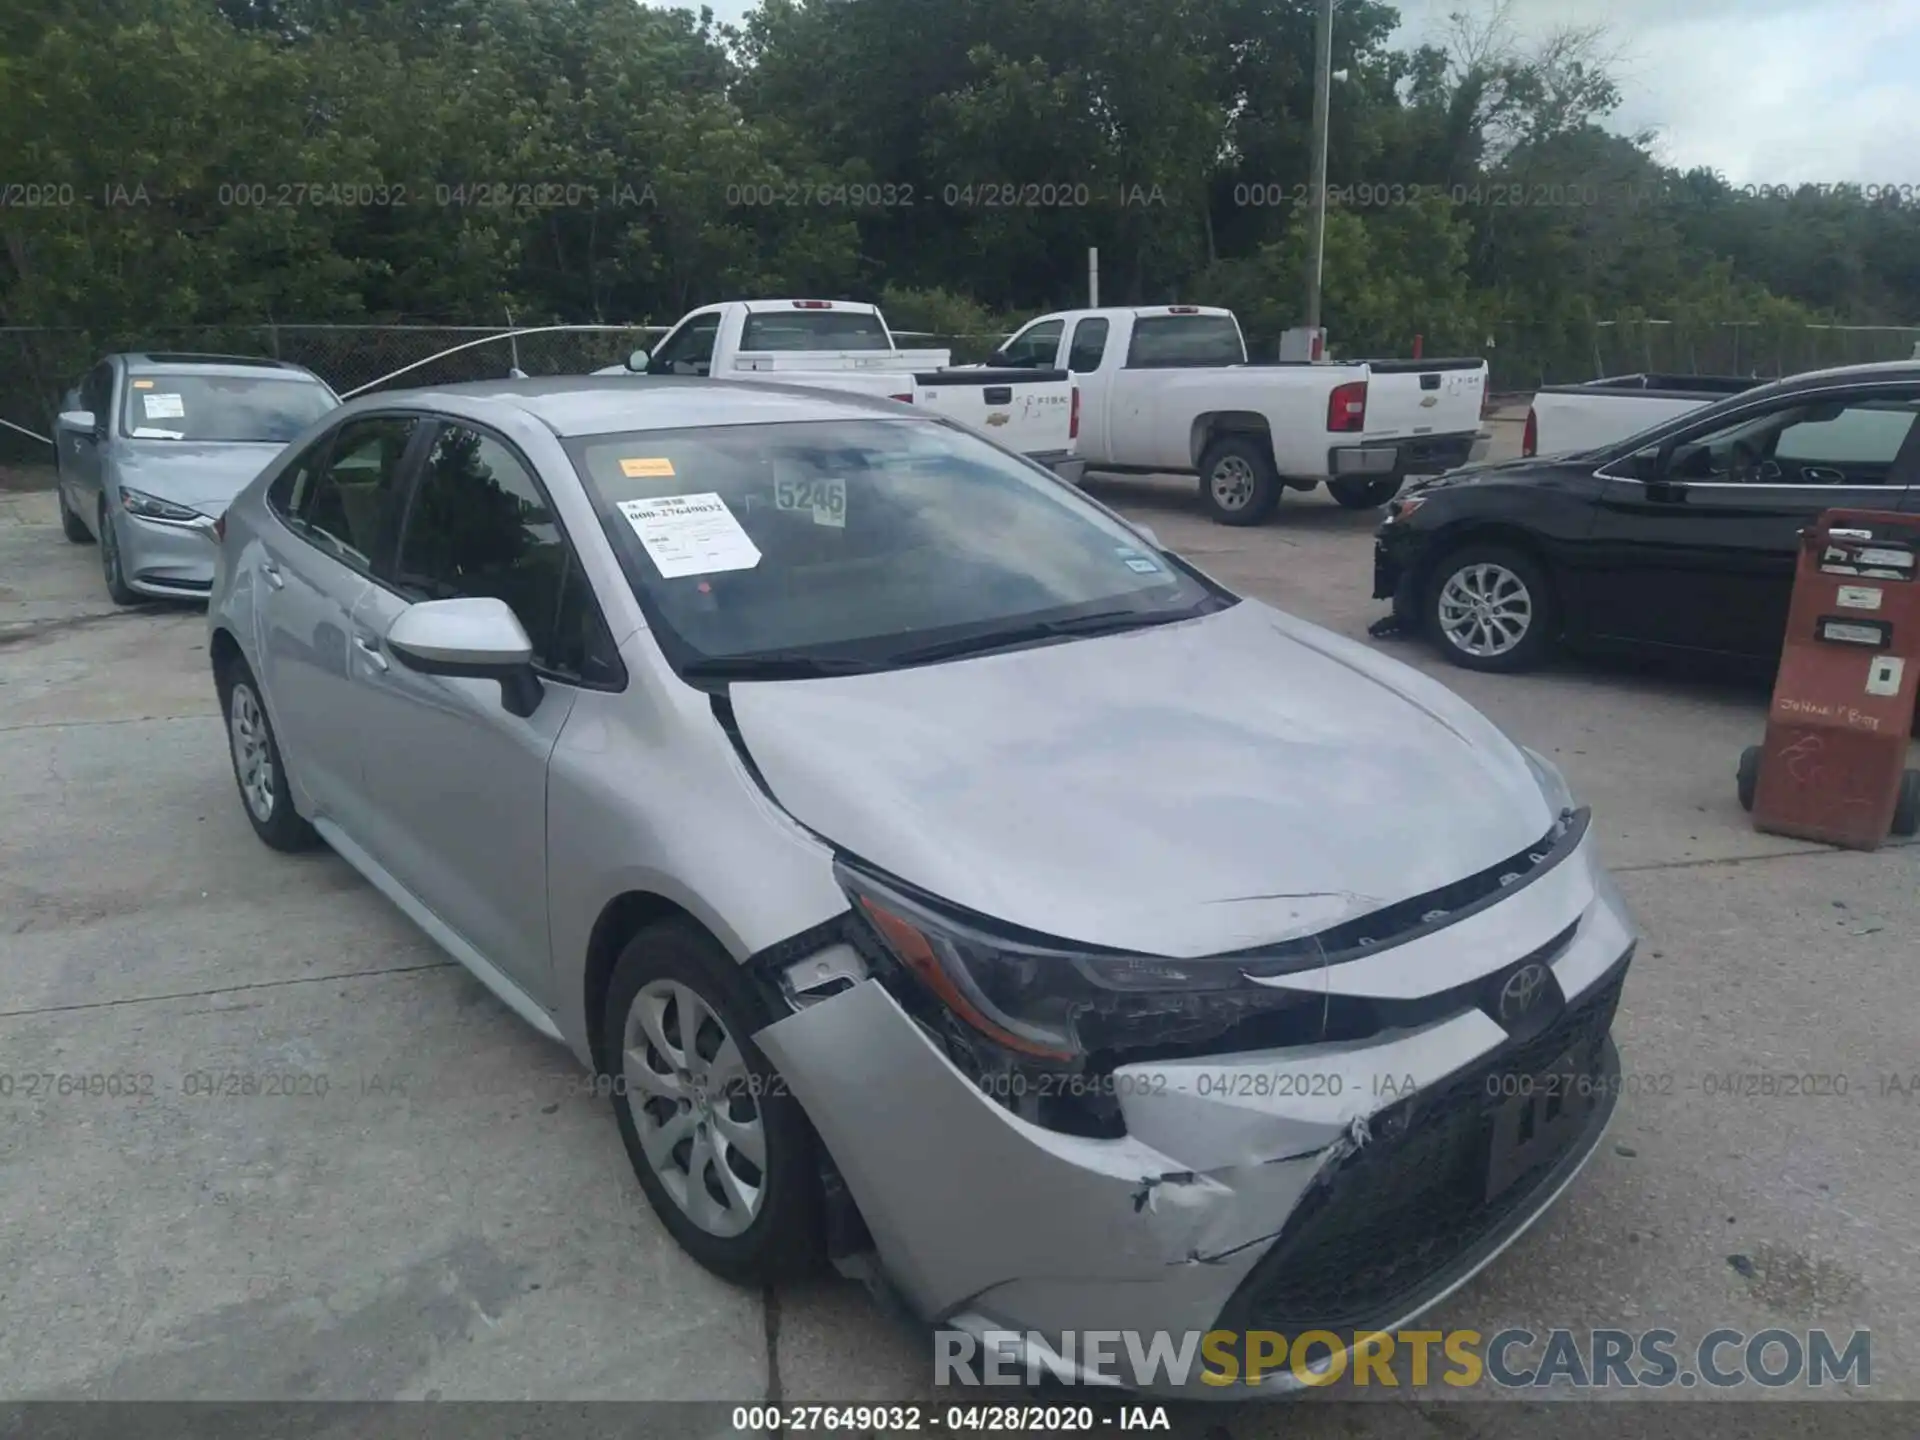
point(22, 632)
point(226, 990)
point(1750, 859)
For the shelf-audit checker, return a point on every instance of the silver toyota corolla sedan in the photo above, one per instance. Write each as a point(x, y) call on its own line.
point(944, 877)
point(154, 448)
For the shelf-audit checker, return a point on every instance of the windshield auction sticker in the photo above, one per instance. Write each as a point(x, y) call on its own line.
point(690, 535)
point(163, 406)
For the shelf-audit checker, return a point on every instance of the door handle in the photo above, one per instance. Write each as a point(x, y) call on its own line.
point(1822, 475)
point(370, 651)
point(1667, 492)
point(272, 572)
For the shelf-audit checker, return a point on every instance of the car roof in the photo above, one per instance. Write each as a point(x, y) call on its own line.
point(577, 405)
point(1884, 370)
point(148, 362)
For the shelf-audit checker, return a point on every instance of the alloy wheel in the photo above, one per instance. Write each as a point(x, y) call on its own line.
point(695, 1106)
point(1485, 610)
point(252, 755)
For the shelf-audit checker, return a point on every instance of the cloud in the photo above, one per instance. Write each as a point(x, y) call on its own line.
point(1766, 91)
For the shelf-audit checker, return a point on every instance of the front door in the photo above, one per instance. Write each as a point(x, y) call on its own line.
point(456, 787)
point(1698, 549)
point(83, 453)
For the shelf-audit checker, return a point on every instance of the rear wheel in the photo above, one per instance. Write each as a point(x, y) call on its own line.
point(1363, 494)
point(1749, 778)
point(1238, 483)
point(722, 1149)
point(71, 524)
point(1489, 607)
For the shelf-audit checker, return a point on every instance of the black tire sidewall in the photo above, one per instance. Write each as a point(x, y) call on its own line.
point(786, 1239)
point(1267, 488)
point(1534, 646)
point(70, 523)
point(113, 568)
point(286, 830)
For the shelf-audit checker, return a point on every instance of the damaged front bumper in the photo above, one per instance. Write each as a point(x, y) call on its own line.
point(1345, 1187)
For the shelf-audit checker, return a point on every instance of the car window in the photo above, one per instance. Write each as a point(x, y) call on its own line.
point(347, 506)
point(813, 330)
point(480, 525)
point(1165, 342)
point(1089, 344)
point(222, 408)
point(689, 350)
point(582, 644)
point(1036, 346)
point(859, 538)
point(292, 486)
point(1821, 442)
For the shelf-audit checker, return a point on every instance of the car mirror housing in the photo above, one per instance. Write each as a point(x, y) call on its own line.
point(79, 421)
point(476, 638)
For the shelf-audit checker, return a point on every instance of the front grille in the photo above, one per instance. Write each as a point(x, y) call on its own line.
point(1378, 1230)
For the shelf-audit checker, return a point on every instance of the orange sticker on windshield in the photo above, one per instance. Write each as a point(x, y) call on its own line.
point(643, 469)
point(143, 384)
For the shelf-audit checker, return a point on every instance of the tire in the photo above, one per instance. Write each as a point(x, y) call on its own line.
point(265, 797)
point(118, 590)
point(1749, 778)
point(1363, 494)
point(1906, 812)
point(1238, 484)
point(1512, 583)
point(669, 1099)
point(71, 524)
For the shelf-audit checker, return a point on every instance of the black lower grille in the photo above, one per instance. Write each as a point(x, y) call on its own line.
point(1389, 1220)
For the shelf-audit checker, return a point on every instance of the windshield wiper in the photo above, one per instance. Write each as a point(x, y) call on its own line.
point(772, 665)
point(1105, 622)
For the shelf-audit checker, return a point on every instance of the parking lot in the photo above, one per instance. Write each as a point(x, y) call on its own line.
point(439, 1209)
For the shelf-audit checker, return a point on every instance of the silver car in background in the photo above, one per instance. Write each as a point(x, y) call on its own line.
point(944, 878)
point(154, 447)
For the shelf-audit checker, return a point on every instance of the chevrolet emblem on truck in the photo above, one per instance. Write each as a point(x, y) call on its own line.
point(999, 417)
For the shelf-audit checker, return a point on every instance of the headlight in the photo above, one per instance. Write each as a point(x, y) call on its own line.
point(151, 507)
point(1552, 783)
point(1064, 1005)
point(1400, 509)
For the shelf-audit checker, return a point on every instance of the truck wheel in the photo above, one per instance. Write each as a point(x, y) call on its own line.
point(1906, 813)
point(1749, 778)
point(1490, 608)
point(1238, 483)
point(1363, 494)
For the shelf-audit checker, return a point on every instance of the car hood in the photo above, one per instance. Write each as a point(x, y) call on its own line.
point(204, 475)
point(1186, 790)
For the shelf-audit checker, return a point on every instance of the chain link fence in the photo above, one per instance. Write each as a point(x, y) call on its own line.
point(37, 366)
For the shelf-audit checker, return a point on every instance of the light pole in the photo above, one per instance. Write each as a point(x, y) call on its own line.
point(1322, 98)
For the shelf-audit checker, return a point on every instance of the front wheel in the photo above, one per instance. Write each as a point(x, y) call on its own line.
point(722, 1149)
point(1363, 494)
point(261, 774)
point(1238, 483)
point(111, 569)
point(1489, 607)
point(71, 525)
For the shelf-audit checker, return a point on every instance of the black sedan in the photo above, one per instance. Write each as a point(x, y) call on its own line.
point(1682, 538)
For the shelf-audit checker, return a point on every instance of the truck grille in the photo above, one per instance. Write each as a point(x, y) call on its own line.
point(1375, 1235)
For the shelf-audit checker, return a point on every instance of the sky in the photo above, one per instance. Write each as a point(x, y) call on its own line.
point(1765, 91)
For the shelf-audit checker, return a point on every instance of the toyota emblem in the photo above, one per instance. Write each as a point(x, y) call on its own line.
point(1521, 993)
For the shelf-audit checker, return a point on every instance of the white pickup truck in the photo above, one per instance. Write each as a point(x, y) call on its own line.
point(843, 345)
point(1566, 419)
point(1168, 388)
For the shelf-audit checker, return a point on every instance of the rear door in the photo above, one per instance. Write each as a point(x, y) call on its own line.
point(1138, 419)
point(1701, 552)
point(338, 508)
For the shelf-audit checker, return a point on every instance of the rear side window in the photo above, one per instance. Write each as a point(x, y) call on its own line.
point(1089, 345)
point(1166, 342)
point(347, 503)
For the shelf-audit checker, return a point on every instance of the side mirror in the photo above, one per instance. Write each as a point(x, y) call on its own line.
point(638, 362)
point(998, 360)
point(474, 639)
point(80, 422)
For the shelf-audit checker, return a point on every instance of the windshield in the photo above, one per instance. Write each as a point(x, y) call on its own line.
point(223, 407)
point(814, 330)
point(862, 542)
